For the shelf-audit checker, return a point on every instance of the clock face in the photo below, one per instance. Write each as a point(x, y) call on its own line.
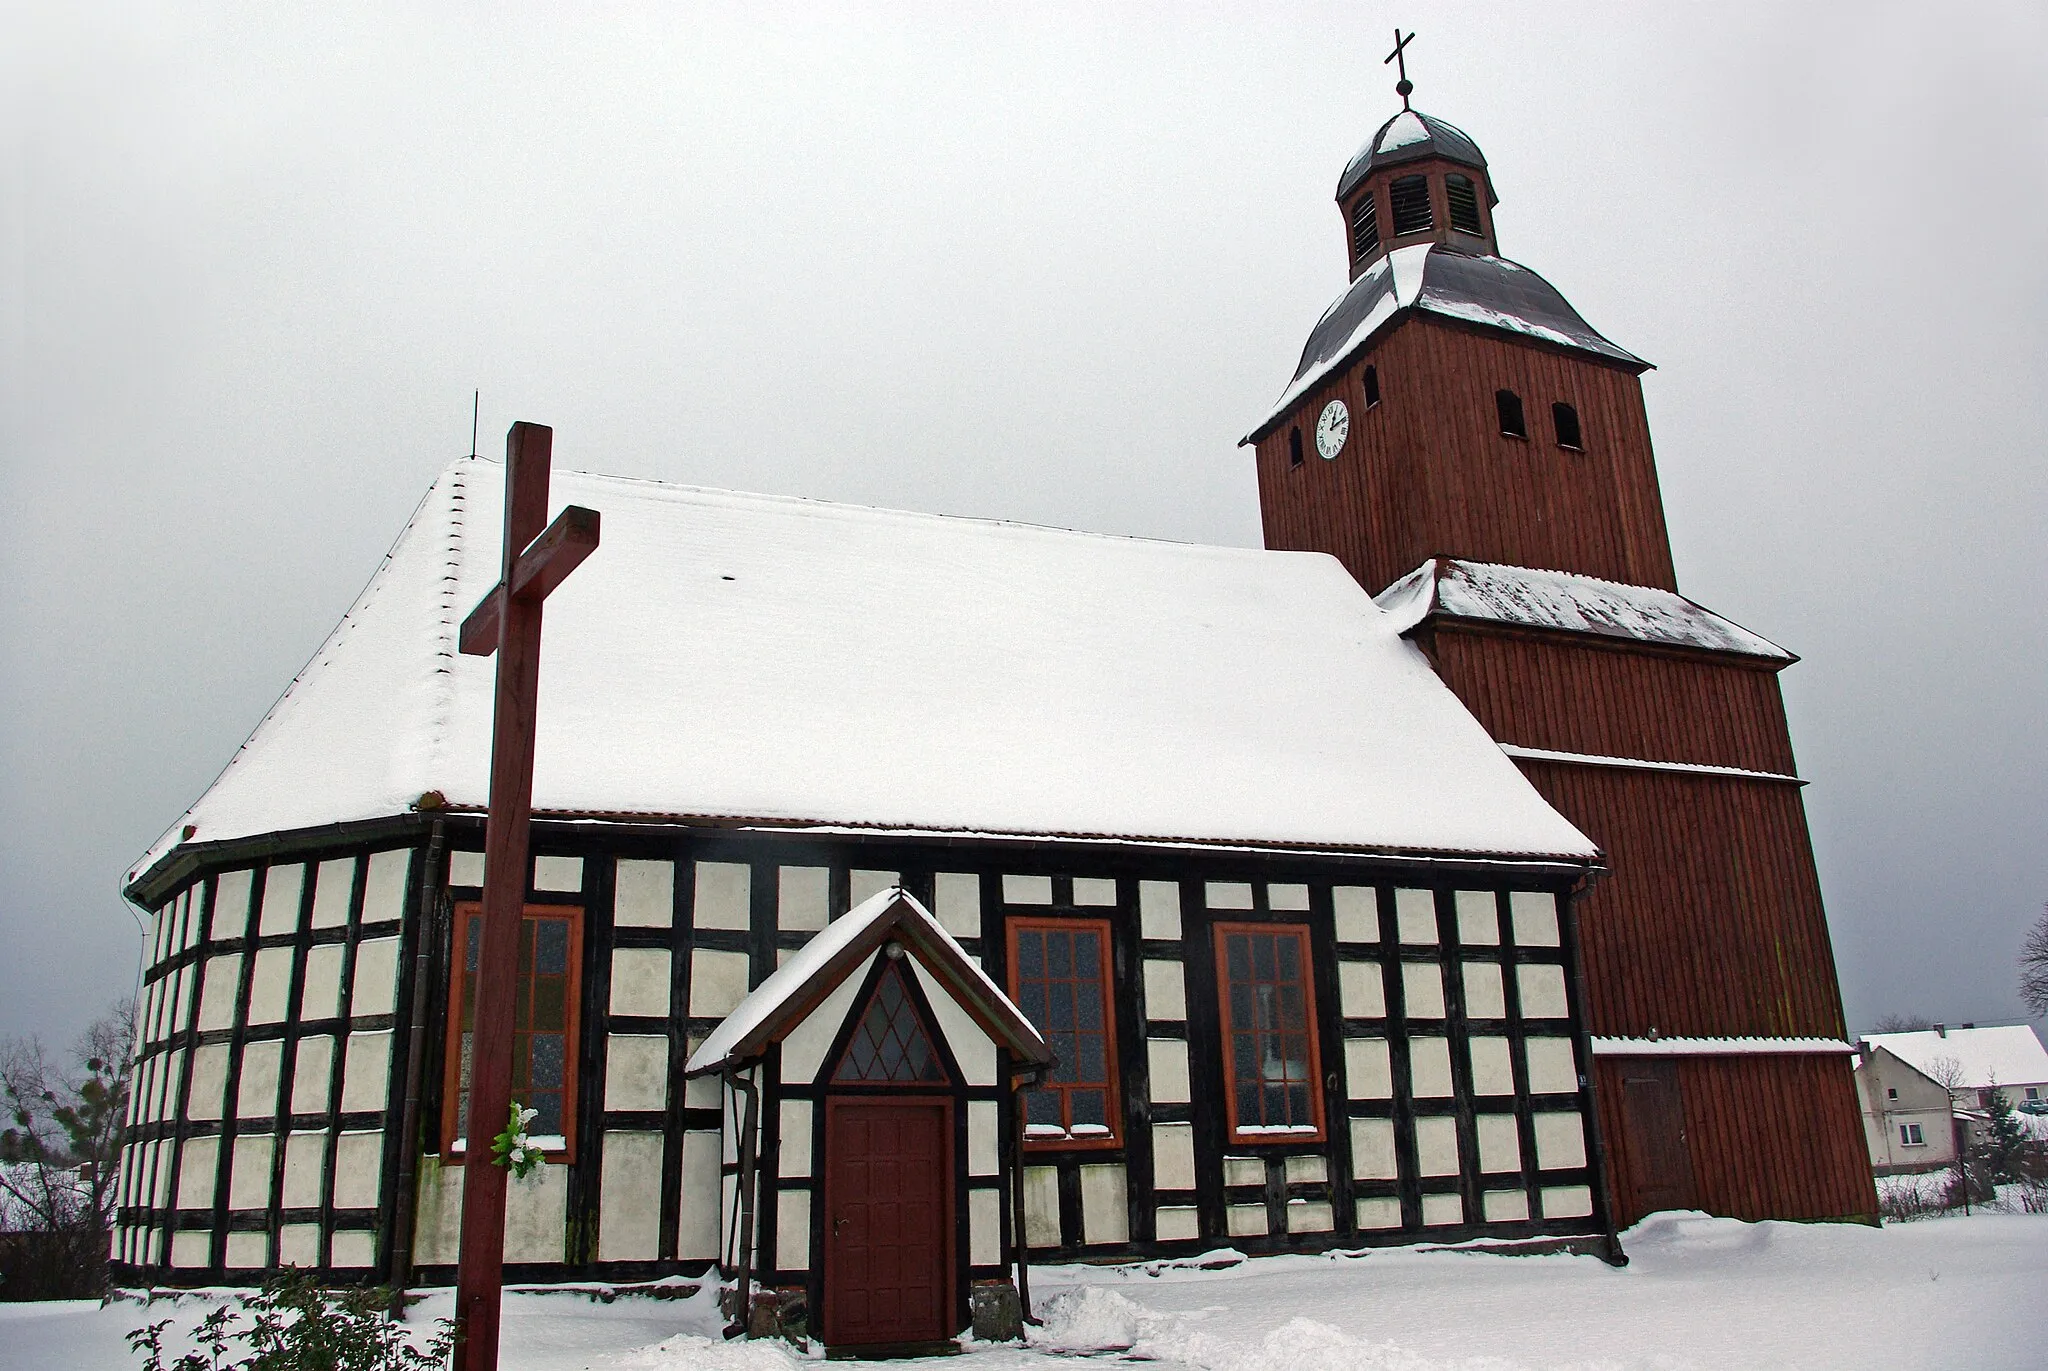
point(1332, 429)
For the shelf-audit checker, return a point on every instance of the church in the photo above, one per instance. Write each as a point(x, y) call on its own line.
point(913, 897)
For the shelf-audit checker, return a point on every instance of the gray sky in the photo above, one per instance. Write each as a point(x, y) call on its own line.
point(1038, 263)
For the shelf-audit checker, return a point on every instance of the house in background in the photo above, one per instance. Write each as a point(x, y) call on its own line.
point(1923, 1091)
point(1975, 1060)
point(1908, 1117)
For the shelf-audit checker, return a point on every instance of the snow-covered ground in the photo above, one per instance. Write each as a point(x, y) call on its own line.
point(1699, 1292)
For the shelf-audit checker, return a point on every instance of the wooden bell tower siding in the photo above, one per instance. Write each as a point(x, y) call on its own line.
point(1660, 732)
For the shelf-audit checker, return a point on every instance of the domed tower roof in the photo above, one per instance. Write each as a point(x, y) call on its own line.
point(1407, 137)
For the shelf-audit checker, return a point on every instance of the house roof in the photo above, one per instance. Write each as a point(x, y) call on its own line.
point(1567, 602)
point(1407, 137)
point(758, 659)
point(2011, 1054)
point(816, 969)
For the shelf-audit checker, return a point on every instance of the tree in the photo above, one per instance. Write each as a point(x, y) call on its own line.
point(2034, 967)
point(1902, 1023)
point(2005, 1142)
point(60, 1155)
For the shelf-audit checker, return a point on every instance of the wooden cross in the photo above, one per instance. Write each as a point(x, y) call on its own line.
point(1404, 86)
point(507, 622)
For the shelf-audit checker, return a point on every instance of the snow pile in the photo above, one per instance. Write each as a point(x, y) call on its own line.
point(690, 1352)
point(1093, 1319)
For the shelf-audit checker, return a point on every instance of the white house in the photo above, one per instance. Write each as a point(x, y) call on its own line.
point(1908, 1118)
point(1974, 1060)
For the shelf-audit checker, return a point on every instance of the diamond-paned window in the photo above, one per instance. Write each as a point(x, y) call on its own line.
point(890, 1045)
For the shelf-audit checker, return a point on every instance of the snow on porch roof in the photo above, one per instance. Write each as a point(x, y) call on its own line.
point(750, 658)
point(817, 968)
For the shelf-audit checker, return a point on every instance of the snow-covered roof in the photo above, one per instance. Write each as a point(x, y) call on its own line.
point(1718, 1047)
point(752, 658)
point(2011, 1054)
point(1568, 602)
point(1406, 137)
point(778, 1003)
point(1474, 288)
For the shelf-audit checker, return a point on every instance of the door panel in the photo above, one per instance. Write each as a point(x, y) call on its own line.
point(888, 1222)
point(1659, 1161)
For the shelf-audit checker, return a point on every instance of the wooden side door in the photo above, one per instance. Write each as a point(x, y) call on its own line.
point(1659, 1161)
point(888, 1220)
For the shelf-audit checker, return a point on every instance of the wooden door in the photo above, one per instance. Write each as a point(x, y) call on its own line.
point(888, 1220)
point(1659, 1162)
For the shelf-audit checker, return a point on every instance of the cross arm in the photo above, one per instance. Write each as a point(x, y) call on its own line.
point(545, 564)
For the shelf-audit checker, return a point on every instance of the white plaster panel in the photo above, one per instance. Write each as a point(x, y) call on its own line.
point(305, 1162)
point(167, 1095)
point(191, 1247)
point(298, 1244)
point(359, 1169)
point(333, 887)
point(1169, 1062)
point(636, 1071)
point(1173, 1156)
point(1358, 913)
point(249, 1172)
point(804, 1047)
point(1560, 1141)
point(864, 885)
point(1493, 1069)
point(248, 1251)
point(223, 985)
point(313, 1075)
point(629, 1200)
point(437, 1227)
point(1500, 1143)
point(1159, 909)
point(1368, 1070)
point(230, 915)
point(209, 1081)
point(1534, 913)
point(793, 1230)
point(320, 995)
point(1436, 1146)
point(1429, 1067)
point(1478, 918)
point(640, 981)
point(536, 1215)
point(802, 900)
point(376, 978)
point(1287, 896)
point(697, 1228)
point(365, 1072)
point(384, 885)
point(1245, 1220)
point(187, 977)
point(1166, 995)
point(1379, 1212)
point(282, 888)
point(1310, 1216)
point(1542, 991)
point(718, 982)
point(1485, 996)
point(1361, 990)
point(1567, 1201)
point(357, 1247)
point(644, 894)
point(466, 868)
point(973, 1049)
point(270, 985)
point(1227, 894)
point(1094, 891)
point(1041, 1206)
point(704, 1092)
point(1027, 890)
point(1105, 1212)
point(958, 897)
point(560, 874)
point(197, 1170)
point(1177, 1223)
point(256, 1094)
point(793, 1139)
point(982, 1126)
point(1439, 1210)
point(1307, 1168)
point(984, 1227)
point(1415, 916)
point(1552, 1067)
point(1372, 1150)
point(1505, 1206)
point(1244, 1170)
point(1422, 985)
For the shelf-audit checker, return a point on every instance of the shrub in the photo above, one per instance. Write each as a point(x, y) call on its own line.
point(294, 1324)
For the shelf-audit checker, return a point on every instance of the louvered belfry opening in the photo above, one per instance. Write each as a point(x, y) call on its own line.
point(1410, 195)
point(1463, 198)
point(890, 1045)
point(1365, 226)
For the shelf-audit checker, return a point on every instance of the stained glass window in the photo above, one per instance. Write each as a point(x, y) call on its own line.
point(1060, 978)
point(543, 1021)
point(1270, 1055)
point(889, 1044)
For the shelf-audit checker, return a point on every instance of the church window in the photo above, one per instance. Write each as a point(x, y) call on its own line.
point(1372, 386)
point(1463, 198)
point(1365, 226)
point(1294, 447)
point(547, 993)
point(889, 1044)
point(1411, 205)
point(1566, 420)
point(1060, 978)
point(1270, 1057)
point(1512, 424)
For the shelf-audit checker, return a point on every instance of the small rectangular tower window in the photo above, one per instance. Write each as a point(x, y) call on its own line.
point(1512, 424)
point(1566, 420)
point(1463, 198)
point(1365, 226)
point(1294, 447)
point(1411, 205)
point(1372, 386)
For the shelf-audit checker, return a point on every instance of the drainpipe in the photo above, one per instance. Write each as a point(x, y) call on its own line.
point(1022, 1241)
point(415, 1067)
point(742, 1312)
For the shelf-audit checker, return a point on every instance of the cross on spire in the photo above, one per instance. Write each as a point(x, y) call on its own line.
point(1404, 86)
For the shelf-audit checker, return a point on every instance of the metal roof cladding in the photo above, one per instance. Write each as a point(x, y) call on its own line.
point(1407, 137)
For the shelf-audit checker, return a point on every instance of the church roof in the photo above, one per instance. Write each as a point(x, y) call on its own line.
point(1407, 137)
point(1442, 281)
point(757, 659)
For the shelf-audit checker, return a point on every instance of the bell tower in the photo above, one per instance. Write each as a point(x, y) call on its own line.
point(1478, 456)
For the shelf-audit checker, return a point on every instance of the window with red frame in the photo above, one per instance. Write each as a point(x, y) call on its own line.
point(1060, 978)
point(547, 994)
point(1270, 1060)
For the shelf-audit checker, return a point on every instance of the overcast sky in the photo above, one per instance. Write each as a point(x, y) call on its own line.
point(1038, 263)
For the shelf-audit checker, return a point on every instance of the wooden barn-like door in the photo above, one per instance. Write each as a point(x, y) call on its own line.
point(1659, 1161)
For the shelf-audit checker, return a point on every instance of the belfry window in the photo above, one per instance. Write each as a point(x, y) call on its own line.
point(1463, 198)
point(546, 995)
point(1512, 424)
point(1372, 386)
point(1365, 226)
point(1566, 420)
point(1294, 447)
point(1411, 205)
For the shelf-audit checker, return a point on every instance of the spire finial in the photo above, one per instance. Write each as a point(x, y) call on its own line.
point(1404, 87)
